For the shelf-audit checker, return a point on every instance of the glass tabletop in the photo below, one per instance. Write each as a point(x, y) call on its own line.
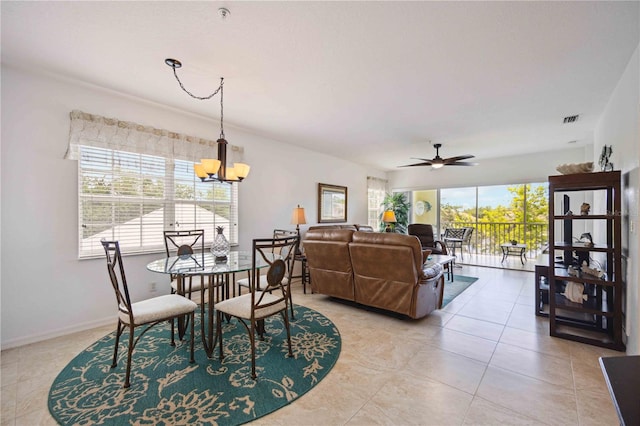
point(205, 264)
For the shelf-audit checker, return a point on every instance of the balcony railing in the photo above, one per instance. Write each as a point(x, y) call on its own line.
point(487, 236)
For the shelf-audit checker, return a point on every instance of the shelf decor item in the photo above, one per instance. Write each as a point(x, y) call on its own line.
point(585, 208)
point(569, 169)
point(220, 245)
point(605, 164)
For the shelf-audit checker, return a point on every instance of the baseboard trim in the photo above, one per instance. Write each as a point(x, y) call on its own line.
point(35, 338)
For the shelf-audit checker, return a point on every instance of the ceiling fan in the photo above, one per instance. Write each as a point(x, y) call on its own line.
point(438, 162)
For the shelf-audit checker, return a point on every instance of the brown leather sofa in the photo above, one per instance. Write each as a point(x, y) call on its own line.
point(382, 270)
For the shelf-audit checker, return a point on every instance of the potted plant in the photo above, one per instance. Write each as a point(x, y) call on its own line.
point(397, 202)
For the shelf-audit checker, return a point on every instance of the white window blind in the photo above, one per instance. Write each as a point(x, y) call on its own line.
point(376, 190)
point(133, 197)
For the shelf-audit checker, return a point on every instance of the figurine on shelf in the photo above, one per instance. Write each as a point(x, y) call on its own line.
point(605, 164)
point(571, 270)
point(586, 239)
point(591, 271)
point(575, 292)
point(584, 209)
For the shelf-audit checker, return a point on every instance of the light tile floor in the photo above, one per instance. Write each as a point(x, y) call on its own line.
point(484, 359)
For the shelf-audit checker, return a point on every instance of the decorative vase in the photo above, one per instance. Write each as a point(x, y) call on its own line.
point(220, 246)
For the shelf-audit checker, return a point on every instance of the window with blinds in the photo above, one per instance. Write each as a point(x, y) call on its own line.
point(133, 198)
point(376, 191)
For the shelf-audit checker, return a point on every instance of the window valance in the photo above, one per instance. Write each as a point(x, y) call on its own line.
point(111, 133)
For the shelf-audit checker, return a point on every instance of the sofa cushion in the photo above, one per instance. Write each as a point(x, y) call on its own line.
point(329, 261)
point(391, 239)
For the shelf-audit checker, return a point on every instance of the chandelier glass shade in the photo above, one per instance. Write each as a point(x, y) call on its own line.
point(212, 169)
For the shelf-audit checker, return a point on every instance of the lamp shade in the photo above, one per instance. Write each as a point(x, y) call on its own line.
point(242, 170)
point(210, 165)
point(389, 216)
point(298, 217)
point(199, 169)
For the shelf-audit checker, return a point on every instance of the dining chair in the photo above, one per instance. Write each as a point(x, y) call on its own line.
point(262, 282)
point(147, 312)
point(273, 298)
point(181, 243)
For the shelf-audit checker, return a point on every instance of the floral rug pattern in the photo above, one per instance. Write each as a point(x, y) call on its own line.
point(167, 390)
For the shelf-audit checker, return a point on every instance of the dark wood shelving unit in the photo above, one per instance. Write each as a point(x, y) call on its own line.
point(599, 319)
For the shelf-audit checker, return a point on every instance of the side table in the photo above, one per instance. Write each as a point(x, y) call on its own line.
point(509, 249)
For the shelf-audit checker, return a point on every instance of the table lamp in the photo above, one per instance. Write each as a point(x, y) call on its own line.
point(388, 217)
point(298, 219)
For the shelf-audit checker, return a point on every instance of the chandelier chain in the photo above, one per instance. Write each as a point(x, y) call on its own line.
point(202, 98)
point(221, 109)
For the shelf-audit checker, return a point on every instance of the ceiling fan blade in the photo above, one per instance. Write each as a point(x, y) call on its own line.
point(426, 163)
point(458, 158)
point(437, 162)
point(461, 163)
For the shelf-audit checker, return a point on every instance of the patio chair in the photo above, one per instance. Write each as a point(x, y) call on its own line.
point(147, 312)
point(273, 298)
point(458, 238)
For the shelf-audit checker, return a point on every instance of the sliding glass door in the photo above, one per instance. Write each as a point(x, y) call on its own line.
point(499, 214)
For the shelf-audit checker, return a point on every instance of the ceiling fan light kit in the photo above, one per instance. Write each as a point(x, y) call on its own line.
point(439, 162)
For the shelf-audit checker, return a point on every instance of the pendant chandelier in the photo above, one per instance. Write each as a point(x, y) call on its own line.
point(211, 169)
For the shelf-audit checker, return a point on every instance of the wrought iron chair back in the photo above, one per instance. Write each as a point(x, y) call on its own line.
point(117, 277)
point(458, 238)
point(274, 298)
point(278, 275)
point(275, 249)
point(180, 243)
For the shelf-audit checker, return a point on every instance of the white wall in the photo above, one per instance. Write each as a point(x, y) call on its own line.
point(619, 126)
point(46, 290)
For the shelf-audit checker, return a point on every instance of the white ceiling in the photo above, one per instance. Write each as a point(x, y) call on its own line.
point(370, 81)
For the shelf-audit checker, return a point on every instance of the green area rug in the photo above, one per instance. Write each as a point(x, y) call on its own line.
point(453, 289)
point(167, 390)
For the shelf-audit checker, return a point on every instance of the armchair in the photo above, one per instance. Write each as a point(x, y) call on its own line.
point(424, 232)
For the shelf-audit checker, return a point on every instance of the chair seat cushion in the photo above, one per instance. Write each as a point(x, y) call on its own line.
point(158, 308)
point(240, 306)
point(244, 282)
point(195, 284)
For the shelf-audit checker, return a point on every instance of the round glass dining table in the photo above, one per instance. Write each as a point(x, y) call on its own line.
point(215, 276)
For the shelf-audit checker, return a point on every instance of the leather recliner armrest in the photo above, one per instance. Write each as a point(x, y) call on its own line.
point(425, 255)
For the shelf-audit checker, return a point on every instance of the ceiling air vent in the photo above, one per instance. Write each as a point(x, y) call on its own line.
point(571, 119)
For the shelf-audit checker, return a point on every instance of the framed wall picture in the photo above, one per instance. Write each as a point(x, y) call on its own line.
point(332, 203)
